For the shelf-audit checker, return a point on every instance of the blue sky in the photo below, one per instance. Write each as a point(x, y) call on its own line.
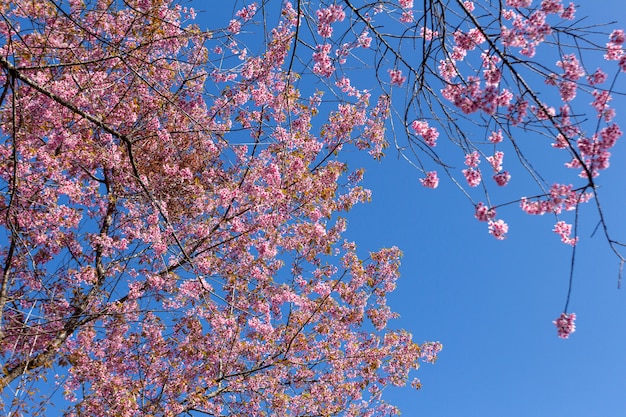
point(491, 303)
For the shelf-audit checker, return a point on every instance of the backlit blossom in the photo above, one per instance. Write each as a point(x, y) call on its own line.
point(565, 230)
point(484, 213)
point(429, 134)
point(498, 229)
point(472, 176)
point(502, 178)
point(565, 325)
point(431, 180)
point(396, 77)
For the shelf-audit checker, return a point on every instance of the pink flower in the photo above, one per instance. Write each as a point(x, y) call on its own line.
point(502, 178)
point(247, 12)
point(565, 325)
point(498, 229)
point(618, 37)
point(472, 159)
point(496, 161)
point(428, 34)
point(430, 134)
point(323, 64)
point(234, 27)
point(472, 176)
point(484, 213)
point(431, 180)
point(565, 230)
point(326, 17)
point(396, 77)
point(568, 12)
point(496, 137)
point(407, 16)
point(597, 77)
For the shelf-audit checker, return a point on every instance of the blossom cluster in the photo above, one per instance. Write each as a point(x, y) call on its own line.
point(565, 325)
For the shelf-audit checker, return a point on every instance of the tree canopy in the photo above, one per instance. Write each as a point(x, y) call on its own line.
point(174, 199)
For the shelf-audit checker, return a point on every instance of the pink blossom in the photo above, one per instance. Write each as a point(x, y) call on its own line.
point(495, 137)
point(430, 134)
point(569, 12)
point(472, 176)
point(560, 142)
point(567, 89)
point(469, 5)
point(502, 178)
point(447, 69)
point(565, 230)
point(518, 3)
point(407, 16)
point(364, 40)
point(571, 67)
point(234, 27)
point(396, 77)
point(472, 159)
point(323, 64)
point(552, 6)
point(328, 16)
point(484, 213)
point(622, 63)
point(498, 229)
point(565, 325)
point(428, 34)
point(598, 77)
point(617, 36)
point(496, 160)
point(431, 180)
point(247, 12)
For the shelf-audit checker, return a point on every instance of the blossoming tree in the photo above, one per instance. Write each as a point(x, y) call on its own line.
point(173, 199)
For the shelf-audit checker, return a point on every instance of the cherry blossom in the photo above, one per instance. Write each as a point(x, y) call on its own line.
point(174, 196)
point(565, 325)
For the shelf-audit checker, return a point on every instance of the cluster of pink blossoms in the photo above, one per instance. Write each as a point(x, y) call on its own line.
point(430, 134)
point(326, 17)
point(565, 231)
point(560, 197)
point(396, 77)
point(407, 13)
point(595, 150)
point(484, 213)
point(323, 64)
point(528, 31)
point(565, 325)
point(431, 180)
point(497, 228)
point(247, 13)
point(615, 50)
point(472, 173)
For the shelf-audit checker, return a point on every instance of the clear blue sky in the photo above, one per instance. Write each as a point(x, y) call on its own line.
point(491, 303)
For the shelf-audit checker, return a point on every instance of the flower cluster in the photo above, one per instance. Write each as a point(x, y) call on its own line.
point(396, 77)
point(431, 180)
point(560, 197)
point(429, 134)
point(484, 213)
point(565, 230)
point(498, 228)
point(565, 325)
point(326, 17)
